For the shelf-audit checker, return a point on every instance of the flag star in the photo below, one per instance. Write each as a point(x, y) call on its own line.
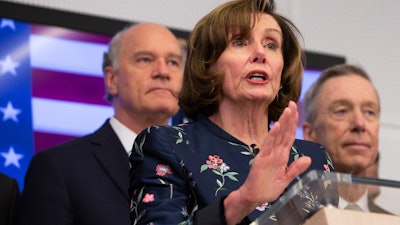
point(7, 23)
point(12, 157)
point(8, 65)
point(10, 112)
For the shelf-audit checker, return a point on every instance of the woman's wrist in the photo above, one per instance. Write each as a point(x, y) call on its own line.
point(236, 208)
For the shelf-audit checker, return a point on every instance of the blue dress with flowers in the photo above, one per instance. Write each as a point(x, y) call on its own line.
point(179, 170)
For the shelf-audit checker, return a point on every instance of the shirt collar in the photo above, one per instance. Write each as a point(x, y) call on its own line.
point(361, 202)
point(125, 135)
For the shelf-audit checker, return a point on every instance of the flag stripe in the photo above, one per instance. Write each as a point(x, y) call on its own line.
point(68, 87)
point(67, 118)
point(45, 140)
point(64, 33)
point(66, 56)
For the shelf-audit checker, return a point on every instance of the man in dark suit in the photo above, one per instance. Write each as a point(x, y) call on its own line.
point(85, 181)
point(342, 112)
point(9, 196)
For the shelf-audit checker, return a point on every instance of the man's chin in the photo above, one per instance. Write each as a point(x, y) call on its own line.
point(169, 110)
point(354, 168)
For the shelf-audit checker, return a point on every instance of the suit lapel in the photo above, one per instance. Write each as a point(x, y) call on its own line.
point(112, 157)
point(375, 208)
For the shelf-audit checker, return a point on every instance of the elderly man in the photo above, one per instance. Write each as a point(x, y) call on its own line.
point(342, 111)
point(86, 180)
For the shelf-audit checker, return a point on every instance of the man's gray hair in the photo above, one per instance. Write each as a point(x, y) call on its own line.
point(311, 98)
point(110, 58)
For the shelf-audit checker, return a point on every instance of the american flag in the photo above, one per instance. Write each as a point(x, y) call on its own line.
point(51, 89)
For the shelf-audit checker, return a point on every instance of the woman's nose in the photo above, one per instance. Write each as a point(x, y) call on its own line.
point(259, 55)
point(259, 59)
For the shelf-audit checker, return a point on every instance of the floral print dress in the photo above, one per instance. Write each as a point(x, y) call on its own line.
point(178, 170)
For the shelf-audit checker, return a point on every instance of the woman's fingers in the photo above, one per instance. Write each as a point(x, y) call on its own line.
point(297, 167)
point(283, 132)
point(288, 122)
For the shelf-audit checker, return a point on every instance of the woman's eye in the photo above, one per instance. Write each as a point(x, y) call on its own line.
point(238, 43)
point(272, 46)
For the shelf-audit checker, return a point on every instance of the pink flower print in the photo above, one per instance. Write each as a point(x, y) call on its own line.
point(148, 198)
point(262, 207)
point(217, 165)
point(326, 168)
point(163, 169)
point(214, 162)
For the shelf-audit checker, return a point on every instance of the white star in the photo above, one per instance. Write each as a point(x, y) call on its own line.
point(10, 112)
point(8, 65)
point(7, 23)
point(12, 157)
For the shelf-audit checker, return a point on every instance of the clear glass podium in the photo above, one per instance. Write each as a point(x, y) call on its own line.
point(320, 198)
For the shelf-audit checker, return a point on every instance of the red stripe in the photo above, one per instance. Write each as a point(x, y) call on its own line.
point(68, 87)
point(46, 140)
point(58, 32)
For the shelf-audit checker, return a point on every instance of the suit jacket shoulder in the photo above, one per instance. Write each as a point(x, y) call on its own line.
point(83, 181)
point(373, 207)
point(9, 196)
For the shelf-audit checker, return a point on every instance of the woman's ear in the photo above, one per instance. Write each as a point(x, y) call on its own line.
point(111, 80)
